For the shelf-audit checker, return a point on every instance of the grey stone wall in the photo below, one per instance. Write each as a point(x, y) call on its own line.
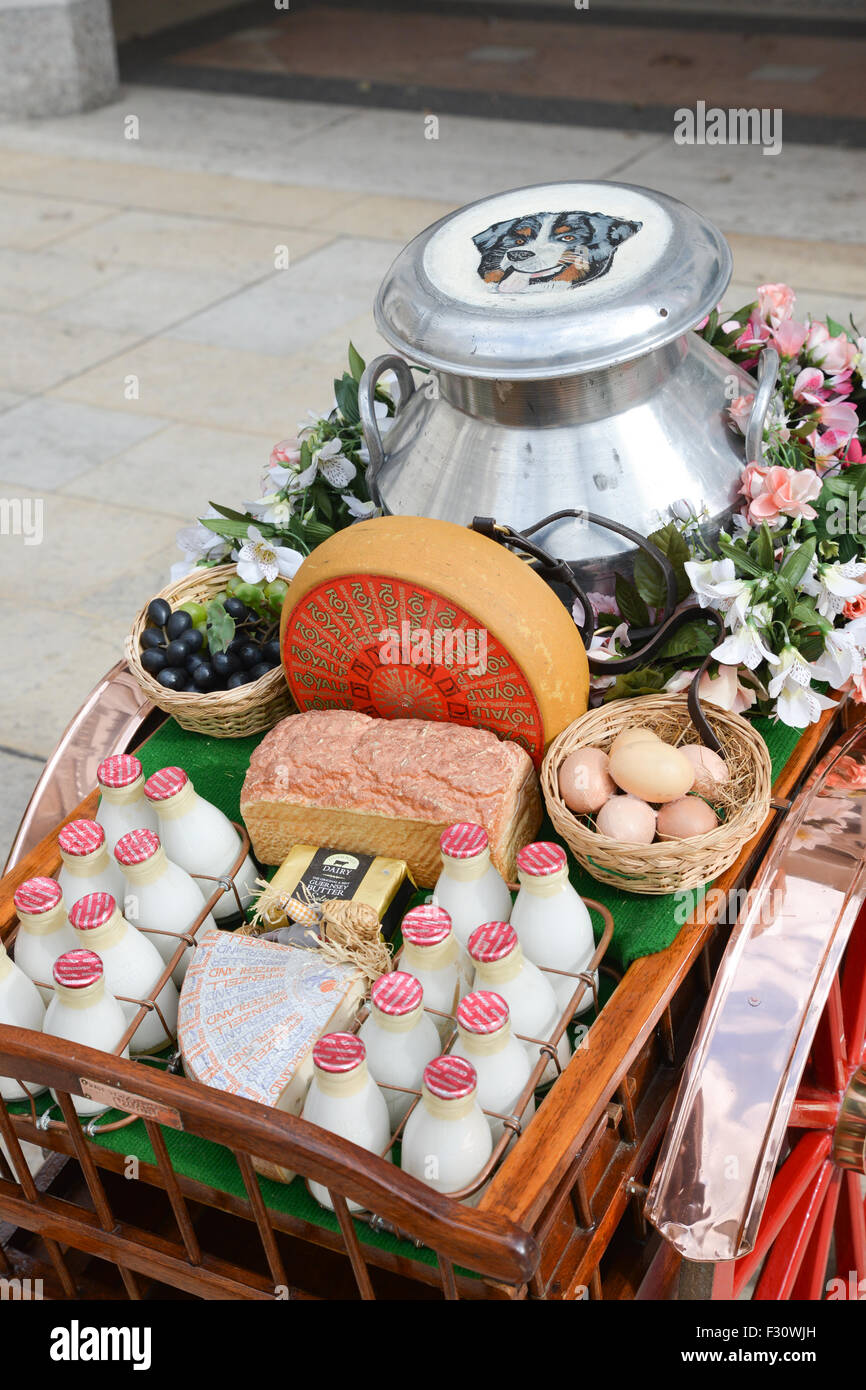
point(56, 57)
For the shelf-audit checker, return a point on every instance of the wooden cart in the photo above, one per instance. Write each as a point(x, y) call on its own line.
point(563, 1216)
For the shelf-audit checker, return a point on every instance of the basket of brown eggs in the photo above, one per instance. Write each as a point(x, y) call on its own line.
point(643, 805)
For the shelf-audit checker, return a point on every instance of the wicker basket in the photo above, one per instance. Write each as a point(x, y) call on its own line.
point(666, 865)
point(249, 709)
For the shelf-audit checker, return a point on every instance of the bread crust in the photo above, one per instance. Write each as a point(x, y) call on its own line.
point(345, 780)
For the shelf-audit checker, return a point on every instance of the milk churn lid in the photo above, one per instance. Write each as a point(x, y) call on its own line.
point(552, 280)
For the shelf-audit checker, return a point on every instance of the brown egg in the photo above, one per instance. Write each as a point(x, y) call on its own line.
point(680, 820)
point(584, 781)
point(634, 735)
point(711, 771)
point(628, 819)
point(652, 771)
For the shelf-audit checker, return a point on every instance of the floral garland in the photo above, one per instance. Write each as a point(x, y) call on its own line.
point(789, 579)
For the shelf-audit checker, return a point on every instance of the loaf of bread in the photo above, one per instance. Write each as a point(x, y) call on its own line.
point(387, 786)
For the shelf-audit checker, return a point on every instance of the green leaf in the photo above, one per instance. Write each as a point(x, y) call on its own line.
point(711, 326)
point(230, 514)
point(764, 548)
point(695, 639)
point(810, 646)
point(346, 392)
point(835, 329)
point(646, 680)
point(356, 362)
point(630, 603)
point(317, 531)
point(232, 530)
point(742, 560)
point(798, 562)
point(648, 576)
point(805, 612)
point(220, 626)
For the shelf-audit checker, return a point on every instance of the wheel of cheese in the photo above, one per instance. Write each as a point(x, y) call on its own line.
point(404, 617)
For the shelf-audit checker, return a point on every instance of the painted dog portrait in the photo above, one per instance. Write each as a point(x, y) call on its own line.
point(550, 250)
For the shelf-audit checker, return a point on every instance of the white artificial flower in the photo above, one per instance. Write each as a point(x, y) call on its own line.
point(797, 705)
point(705, 576)
point(272, 508)
point(331, 462)
point(603, 644)
point(840, 659)
point(261, 559)
point(357, 508)
point(744, 647)
point(198, 542)
point(833, 585)
point(723, 689)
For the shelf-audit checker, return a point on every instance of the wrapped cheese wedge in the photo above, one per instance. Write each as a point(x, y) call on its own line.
point(250, 1014)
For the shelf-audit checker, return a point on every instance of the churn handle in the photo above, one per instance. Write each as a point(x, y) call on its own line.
point(768, 371)
point(366, 396)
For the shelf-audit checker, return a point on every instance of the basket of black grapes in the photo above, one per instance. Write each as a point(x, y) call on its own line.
point(207, 651)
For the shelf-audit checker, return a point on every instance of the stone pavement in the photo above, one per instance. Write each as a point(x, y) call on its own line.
point(149, 263)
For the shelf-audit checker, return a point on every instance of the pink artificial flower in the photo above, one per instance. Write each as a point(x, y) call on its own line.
point(776, 492)
point(855, 686)
point(809, 386)
point(789, 338)
point(854, 452)
point(833, 354)
point(826, 447)
point(755, 334)
point(775, 303)
point(724, 690)
point(840, 417)
point(286, 453)
point(855, 607)
point(740, 410)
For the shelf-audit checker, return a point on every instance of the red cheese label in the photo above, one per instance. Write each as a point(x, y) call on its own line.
point(396, 650)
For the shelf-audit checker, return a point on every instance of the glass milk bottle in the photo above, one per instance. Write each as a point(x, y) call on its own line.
point(123, 805)
point(470, 889)
point(551, 921)
point(501, 1063)
point(400, 1039)
point(344, 1098)
point(83, 1011)
point(447, 1139)
point(160, 896)
point(20, 1007)
point(500, 966)
point(198, 837)
point(44, 932)
point(87, 865)
point(431, 953)
point(132, 964)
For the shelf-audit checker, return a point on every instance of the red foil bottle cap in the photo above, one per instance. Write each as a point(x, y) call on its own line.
point(397, 993)
point(91, 911)
point(450, 1078)
point(165, 783)
point(119, 771)
point(426, 925)
point(136, 846)
point(492, 941)
point(81, 837)
point(37, 895)
point(463, 840)
point(339, 1052)
point(541, 858)
point(482, 1012)
point(77, 969)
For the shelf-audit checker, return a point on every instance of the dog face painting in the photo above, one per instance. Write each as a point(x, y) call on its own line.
point(550, 250)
